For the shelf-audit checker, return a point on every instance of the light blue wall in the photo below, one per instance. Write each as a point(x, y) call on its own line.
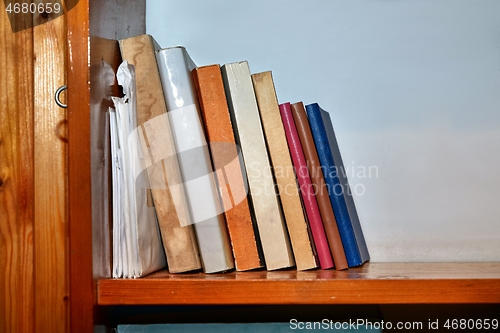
point(413, 88)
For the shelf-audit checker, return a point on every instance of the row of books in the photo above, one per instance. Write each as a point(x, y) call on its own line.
point(210, 168)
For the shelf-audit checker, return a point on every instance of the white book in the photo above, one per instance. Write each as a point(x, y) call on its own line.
point(249, 135)
point(175, 65)
point(154, 135)
point(116, 191)
point(137, 244)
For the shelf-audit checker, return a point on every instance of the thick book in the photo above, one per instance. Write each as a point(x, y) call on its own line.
point(137, 241)
point(250, 137)
point(342, 174)
point(286, 183)
point(231, 183)
point(175, 67)
point(314, 167)
point(306, 188)
point(179, 240)
point(335, 188)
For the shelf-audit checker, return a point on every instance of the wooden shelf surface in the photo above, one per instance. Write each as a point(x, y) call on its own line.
point(373, 283)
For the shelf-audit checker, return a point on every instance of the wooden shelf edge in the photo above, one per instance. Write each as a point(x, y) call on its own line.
point(374, 283)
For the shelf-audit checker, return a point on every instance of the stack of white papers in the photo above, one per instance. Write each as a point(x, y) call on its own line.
point(137, 247)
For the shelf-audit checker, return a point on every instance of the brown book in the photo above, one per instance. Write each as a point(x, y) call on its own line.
point(209, 87)
point(322, 197)
point(179, 240)
point(286, 182)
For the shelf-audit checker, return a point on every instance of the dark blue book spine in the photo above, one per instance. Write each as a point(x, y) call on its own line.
point(342, 174)
point(334, 185)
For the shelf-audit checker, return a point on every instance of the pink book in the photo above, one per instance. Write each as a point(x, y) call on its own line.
point(306, 188)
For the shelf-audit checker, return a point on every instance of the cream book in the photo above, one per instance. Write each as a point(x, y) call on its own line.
point(175, 67)
point(155, 133)
point(250, 137)
point(286, 183)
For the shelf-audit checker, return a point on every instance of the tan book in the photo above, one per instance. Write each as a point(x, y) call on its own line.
point(168, 194)
point(303, 248)
point(249, 135)
point(232, 186)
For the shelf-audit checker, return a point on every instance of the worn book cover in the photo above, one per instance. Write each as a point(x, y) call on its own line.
point(170, 201)
point(286, 183)
point(231, 182)
point(250, 137)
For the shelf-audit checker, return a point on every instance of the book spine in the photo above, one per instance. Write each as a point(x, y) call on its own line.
point(324, 204)
point(174, 65)
point(250, 137)
point(232, 186)
point(286, 183)
point(346, 190)
point(306, 188)
point(158, 147)
point(333, 182)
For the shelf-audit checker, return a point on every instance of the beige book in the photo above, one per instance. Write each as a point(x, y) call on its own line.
point(249, 135)
point(168, 193)
point(284, 174)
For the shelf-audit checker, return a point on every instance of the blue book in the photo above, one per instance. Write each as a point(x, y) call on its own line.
point(335, 187)
point(342, 174)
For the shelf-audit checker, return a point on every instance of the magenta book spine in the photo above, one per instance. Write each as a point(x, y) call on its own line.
point(306, 188)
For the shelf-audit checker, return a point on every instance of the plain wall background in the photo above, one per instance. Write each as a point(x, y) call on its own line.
point(413, 89)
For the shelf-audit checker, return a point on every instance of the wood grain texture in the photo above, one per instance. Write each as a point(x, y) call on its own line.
point(372, 283)
point(50, 155)
point(16, 179)
point(79, 193)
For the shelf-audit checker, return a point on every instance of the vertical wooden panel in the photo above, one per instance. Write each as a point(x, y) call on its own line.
point(99, 19)
point(50, 155)
point(16, 179)
point(79, 195)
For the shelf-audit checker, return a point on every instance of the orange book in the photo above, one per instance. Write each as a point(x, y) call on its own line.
point(232, 187)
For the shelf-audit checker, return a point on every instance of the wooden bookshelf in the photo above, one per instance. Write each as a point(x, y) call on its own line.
point(373, 283)
point(93, 27)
